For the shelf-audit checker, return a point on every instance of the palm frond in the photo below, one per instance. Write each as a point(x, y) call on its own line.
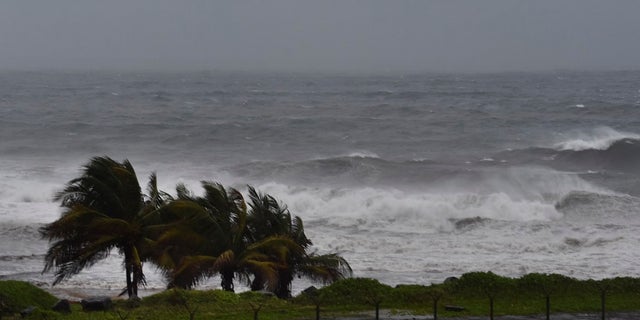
point(183, 193)
point(266, 271)
point(70, 256)
point(156, 198)
point(280, 248)
point(192, 270)
point(226, 260)
point(326, 268)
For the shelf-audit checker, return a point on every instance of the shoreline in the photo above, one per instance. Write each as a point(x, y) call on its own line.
point(77, 294)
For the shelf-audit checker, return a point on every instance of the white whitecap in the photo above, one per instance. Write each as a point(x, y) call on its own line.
point(599, 138)
point(522, 194)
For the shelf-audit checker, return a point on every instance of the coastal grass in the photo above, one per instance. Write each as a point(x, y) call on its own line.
point(358, 296)
point(522, 296)
point(18, 295)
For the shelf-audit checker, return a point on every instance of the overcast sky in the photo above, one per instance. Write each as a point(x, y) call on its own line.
point(322, 35)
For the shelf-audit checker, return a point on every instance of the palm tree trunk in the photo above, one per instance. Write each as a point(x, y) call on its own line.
point(134, 284)
point(283, 291)
point(138, 278)
point(257, 284)
point(227, 280)
point(128, 275)
point(133, 269)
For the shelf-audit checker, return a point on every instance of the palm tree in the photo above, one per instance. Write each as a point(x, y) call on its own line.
point(213, 240)
point(104, 209)
point(267, 218)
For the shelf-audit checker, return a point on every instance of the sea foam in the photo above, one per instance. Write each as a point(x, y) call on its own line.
point(523, 194)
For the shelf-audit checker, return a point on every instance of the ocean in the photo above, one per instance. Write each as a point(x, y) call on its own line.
point(411, 178)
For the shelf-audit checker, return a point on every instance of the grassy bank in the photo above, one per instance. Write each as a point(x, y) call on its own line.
point(473, 291)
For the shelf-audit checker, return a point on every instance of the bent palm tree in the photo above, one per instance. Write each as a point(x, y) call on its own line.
point(213, 240)
point(267, 218)
point(104, 209)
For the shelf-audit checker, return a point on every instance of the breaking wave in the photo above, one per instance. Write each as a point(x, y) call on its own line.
point(585, 205)
point(523, 194)
point(601, 138)
point(622, 154)
point(395, 210)
point(613, 151)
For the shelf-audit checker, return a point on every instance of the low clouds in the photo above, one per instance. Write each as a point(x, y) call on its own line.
point(353, 36)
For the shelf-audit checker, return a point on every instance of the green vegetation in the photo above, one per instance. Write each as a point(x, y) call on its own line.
point(355, 296)
point(472, 291)
point(18, 295)
point(189, 238)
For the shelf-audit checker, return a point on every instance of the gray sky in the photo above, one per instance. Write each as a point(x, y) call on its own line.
point(322, 35)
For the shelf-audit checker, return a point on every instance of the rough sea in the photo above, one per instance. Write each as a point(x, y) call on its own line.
point(412, 178)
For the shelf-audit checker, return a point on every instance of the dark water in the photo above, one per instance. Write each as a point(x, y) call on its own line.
point(413, 178)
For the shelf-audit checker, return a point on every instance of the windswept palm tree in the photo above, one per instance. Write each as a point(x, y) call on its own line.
point(268, 218)
point(213, 240)
point(104, 209)
point(189, 238)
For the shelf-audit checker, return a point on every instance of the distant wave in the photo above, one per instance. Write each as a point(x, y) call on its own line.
point(355, 168)
point(588, 243)
point(467, 223)
point(362, 154)
point(15, 230)
point(395, 94)
point(601, 138)
point(585, 204)
point(378, 93)
point(621, 154)
point(22, 257)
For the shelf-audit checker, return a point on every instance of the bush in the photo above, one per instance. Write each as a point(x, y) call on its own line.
point(484, 283)
point(179, 296)
point(18, 295)
point(354, 291)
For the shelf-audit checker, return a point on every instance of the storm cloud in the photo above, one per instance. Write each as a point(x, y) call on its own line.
point(352, 36)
